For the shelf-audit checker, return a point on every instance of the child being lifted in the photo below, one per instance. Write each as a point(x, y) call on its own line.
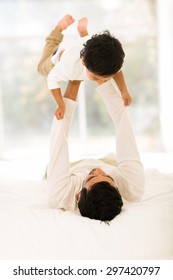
point(98, 58)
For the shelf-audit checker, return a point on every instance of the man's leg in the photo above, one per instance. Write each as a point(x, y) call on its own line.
point(52, 42)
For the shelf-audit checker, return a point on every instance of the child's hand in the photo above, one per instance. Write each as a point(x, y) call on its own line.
point(59, 113)
point(126, 98)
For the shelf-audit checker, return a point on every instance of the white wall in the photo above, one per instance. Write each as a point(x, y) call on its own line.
point(165, 69)
point(1, 127)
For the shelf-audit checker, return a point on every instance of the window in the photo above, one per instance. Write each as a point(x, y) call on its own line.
point(27, 106)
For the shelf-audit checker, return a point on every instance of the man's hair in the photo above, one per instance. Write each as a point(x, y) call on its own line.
point(103, 202)
point(103, 54)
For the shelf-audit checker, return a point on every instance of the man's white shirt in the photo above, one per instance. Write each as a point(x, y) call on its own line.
point(65, 182)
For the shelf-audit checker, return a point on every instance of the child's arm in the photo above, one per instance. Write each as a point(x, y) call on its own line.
point(59, 113)
point(119, 79)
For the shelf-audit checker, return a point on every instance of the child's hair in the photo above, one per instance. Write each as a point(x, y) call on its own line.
point(103, 54)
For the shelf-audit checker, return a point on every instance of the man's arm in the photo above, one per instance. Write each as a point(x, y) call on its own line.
point(131, 171)
point(58, 174)
point(71, 93)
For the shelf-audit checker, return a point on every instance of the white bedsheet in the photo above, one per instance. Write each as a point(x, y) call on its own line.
point(29, 229)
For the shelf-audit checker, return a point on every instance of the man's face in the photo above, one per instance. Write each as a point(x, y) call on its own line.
point(95, 176)
point(97, 78)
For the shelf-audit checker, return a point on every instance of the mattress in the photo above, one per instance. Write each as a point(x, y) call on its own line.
point(32, 230)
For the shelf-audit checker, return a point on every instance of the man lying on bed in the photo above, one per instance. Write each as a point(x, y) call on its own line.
point(94, 186)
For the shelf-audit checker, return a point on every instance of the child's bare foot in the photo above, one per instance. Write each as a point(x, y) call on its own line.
point(64, 22)
point(82, 26)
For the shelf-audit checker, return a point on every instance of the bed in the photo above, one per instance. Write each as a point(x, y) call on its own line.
point(31, 230)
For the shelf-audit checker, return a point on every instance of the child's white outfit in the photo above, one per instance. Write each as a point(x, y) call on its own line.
point(69, 66)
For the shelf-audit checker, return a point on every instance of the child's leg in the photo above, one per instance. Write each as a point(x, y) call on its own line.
point(52, 43)
point(82, 27)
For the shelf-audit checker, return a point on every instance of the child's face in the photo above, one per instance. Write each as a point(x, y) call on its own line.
point(97, 78)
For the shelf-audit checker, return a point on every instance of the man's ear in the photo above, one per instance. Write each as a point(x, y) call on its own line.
point(78, 197)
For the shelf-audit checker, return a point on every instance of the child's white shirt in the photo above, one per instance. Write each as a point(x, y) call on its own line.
point(69, 66)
